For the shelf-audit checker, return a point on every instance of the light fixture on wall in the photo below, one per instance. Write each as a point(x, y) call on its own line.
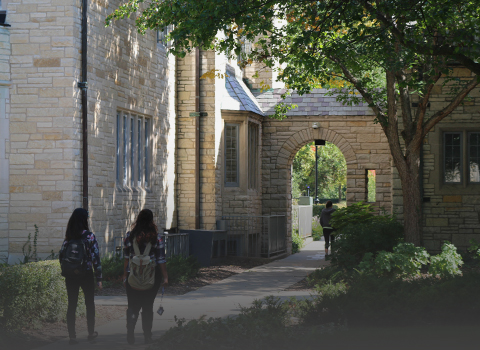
point(315, 125)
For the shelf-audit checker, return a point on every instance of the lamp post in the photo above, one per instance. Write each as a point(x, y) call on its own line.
point(316, 201)
point(317, 143)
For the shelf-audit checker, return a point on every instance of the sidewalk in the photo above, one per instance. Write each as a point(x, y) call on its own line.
point(215, 300)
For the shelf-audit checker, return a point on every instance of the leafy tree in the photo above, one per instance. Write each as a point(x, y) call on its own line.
point(332, 171)
point(382, 52)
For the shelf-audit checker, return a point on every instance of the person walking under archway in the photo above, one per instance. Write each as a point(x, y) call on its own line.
point(79, 258)
point(143, 242)
point(325, 217)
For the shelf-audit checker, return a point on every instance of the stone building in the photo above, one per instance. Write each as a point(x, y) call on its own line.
point(131, 123)
point(193, 150)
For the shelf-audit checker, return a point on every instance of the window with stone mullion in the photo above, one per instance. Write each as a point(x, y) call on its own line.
point(474, 156)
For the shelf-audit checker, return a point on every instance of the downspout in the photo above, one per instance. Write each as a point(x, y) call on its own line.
point(83, 86)
point(197, 138)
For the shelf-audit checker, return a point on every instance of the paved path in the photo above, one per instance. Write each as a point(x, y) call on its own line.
point(216, 300)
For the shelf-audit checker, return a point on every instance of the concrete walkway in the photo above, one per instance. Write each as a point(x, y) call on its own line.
point(216, 300)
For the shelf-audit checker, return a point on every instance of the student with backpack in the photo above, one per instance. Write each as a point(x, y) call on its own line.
point(79, 258)
point(144, 269)
point(325, 217)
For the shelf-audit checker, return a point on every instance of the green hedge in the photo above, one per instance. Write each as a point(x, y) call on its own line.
point(32, 293)
point(378, 301)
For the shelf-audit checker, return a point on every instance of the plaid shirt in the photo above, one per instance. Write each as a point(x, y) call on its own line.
point(93, 255)
point(157, 252)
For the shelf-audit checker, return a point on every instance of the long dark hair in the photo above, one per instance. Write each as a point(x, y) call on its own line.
point(77, 223)
point(144, 229)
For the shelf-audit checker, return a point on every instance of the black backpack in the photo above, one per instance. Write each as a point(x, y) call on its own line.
point(74, 262)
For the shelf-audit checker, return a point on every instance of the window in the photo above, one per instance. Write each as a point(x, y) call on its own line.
point(371, 185)
point(474, 156)
point(133, 150)
point(252, 155)
point(231, 155)
point(452, 143)
point(162, 36)
point(461, 157)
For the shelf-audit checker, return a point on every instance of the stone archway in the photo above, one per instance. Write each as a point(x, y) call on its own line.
point(361, 142)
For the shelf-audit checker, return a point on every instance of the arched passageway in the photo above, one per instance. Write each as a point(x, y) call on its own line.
point(360, 141)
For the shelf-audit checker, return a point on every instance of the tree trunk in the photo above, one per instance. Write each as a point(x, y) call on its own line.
point(412, 198)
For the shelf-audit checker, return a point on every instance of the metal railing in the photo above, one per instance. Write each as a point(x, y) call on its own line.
point(175, 244)
point(255, 236)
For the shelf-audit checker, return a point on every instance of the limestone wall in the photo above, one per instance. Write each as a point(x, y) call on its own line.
point(131, 74)
point(451, 212)
point(186, 142)
point(127, 72)
point(44, 120)
point(4, 139)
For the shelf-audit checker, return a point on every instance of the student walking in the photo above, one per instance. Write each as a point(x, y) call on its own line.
point(144, 269)
point(325, 223)
point(79, 258)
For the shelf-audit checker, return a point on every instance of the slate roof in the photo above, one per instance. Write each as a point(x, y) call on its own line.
point(315, 103)
point(238, 96)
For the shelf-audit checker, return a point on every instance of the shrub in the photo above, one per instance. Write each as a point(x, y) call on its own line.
point(357, 213)
point(317, 230)
point(112, 269)
point(33, 292)
point(181, 269)
point(260, 326)
point(297, 243)
point(372, 300)
point(405, 260)
point(447, 263)
point(354, 241)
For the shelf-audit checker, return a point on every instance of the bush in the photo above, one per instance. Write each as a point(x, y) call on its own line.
point(405, 260)
point(354, 241)
point(181, 269)
point(317, 230)
point(32, 293)
point(383, 301)
point(447, 263)
point(357, 213)
point(112, 269)
point(297, 243)
point(260, 326)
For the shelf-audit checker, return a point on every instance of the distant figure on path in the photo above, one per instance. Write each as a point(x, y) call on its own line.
point(325, 223)
point(79, 257)
point(140, 294)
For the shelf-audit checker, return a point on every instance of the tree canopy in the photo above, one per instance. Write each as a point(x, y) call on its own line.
point(388, 53)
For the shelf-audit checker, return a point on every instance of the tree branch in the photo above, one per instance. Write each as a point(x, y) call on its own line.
point(437, 117)
point(349, 76)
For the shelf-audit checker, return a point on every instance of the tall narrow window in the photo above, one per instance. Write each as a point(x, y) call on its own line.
point(125, 151)
point(452, 153)
point(119, 137)
point(474, 156)
point(132, 152)
point(146, 153)
point(231, 155)
point(371, 185)
point(140, 151)
point(252, 155)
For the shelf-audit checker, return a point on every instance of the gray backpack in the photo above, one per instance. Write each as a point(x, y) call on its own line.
point(142, 268)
